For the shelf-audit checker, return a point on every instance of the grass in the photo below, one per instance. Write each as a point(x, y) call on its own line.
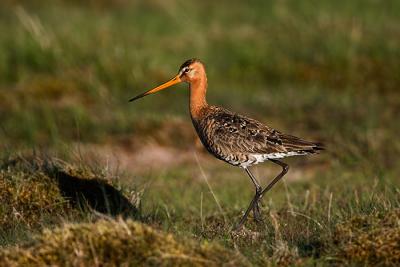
point(314, 222)
point(39, 193)
point(314, 69)
point(371, 239)
point(119, 243)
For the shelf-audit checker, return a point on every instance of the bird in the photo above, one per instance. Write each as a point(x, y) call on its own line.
point(233, 138)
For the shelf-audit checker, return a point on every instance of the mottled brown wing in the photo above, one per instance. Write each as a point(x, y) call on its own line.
point(236, 133)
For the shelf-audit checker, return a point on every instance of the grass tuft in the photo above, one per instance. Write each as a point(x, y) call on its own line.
point(28, 197)
point(370, 239)
point(116, 243)
point(37, 193)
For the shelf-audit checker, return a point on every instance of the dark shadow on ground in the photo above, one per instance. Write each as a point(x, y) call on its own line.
point(93, 193)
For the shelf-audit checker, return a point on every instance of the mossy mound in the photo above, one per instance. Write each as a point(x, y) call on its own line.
point(115, 243)
point(28, 198)
point(34, 191)
point(371, 240)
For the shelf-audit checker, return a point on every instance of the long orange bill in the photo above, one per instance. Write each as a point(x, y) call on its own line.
point(171, 82)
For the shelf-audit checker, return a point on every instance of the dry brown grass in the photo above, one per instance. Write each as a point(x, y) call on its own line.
point(27, 198)
point(35, 192)
point(116, 243)
point(372, 240)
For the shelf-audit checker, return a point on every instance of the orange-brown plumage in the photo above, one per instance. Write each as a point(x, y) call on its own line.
point(233, 138)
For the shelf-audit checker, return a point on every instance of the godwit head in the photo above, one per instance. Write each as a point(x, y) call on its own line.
point(191, 71)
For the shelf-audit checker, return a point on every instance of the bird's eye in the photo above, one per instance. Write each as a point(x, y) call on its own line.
point(186, 70)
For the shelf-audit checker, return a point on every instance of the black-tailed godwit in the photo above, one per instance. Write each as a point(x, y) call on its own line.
point(233, 138)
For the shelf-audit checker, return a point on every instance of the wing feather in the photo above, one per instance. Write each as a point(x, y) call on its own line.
point(227, 132)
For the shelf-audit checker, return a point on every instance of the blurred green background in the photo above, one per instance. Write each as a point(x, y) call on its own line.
point(314, 68)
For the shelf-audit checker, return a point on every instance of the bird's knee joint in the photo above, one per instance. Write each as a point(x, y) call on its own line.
point(285, 168)
point(258, 190)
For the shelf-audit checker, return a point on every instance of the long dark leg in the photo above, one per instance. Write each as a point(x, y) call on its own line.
point(254, 203)
point(285, 169)
point(256, 206)
point(257, 212)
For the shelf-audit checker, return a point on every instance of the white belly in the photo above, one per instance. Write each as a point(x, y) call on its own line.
point(258, 158)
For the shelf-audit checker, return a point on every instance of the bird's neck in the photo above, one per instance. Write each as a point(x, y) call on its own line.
point(198, 102)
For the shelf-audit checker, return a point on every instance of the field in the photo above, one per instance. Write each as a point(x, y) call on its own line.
point(89, 179)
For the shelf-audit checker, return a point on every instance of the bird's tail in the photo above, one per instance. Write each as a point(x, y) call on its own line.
point(295, 144)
